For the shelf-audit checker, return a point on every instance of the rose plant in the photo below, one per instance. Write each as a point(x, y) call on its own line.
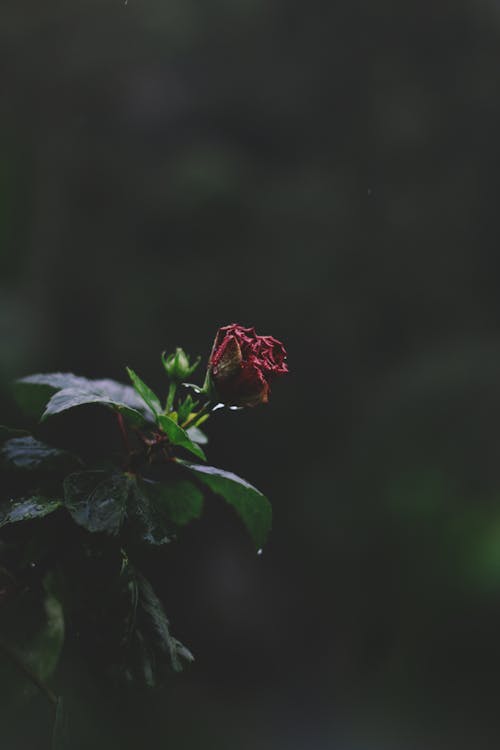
point(74, 523)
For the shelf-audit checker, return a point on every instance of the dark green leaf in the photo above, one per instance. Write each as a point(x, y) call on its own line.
point(178, 501)
point(178, 436)
point(155, 632)
point(145, 518)
point(27, 509)
point(35, 391)
point(147, 661)
point(55, 380)
point(148, 396)
point(121, 393)
point(155, 509)
point(69, 398)
point(97, 500)
point(29, 453)
point(151, 650)
point(197, 435)
point(250, 504)
point(185, 408)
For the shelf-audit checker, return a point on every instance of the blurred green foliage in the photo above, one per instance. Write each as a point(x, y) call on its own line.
point(327, 173)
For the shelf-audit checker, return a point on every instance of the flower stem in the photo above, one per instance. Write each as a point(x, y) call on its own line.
point(195, 417)
point(170, 398)
point(123, 430)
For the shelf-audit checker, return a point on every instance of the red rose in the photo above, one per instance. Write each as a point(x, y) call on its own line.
point(242, 365)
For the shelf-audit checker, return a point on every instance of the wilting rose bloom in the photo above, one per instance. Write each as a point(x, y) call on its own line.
point(242, 365)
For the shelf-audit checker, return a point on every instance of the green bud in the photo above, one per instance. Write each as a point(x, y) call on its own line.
point(178, 366)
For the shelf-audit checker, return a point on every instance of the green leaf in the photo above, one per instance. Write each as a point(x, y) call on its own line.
point(185, 408)
point(35, 391)
point(154, 630)
point(197, 435)
point(55, 380)
point(27, 509)
point(145, 518)
point(122, 394)
point(69, 398)
point(178, 501)
point(29, 453)
point(251, 505)
point(148, 396)
point(97, 500)
point(178, 436)
point(155, 509)
point(150, 648)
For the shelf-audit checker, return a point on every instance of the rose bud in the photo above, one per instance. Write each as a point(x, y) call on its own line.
point(242, 365)
point(178, 366)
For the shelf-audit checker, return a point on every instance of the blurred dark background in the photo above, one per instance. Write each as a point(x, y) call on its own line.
point(327, 172)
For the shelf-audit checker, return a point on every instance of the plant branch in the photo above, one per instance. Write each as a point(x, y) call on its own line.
point(195, 417)
point(124, 434)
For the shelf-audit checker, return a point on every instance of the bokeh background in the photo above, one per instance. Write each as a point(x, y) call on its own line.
point(327, 172)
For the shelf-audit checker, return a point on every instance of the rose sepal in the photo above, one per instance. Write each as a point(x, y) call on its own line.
point(177, 365)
